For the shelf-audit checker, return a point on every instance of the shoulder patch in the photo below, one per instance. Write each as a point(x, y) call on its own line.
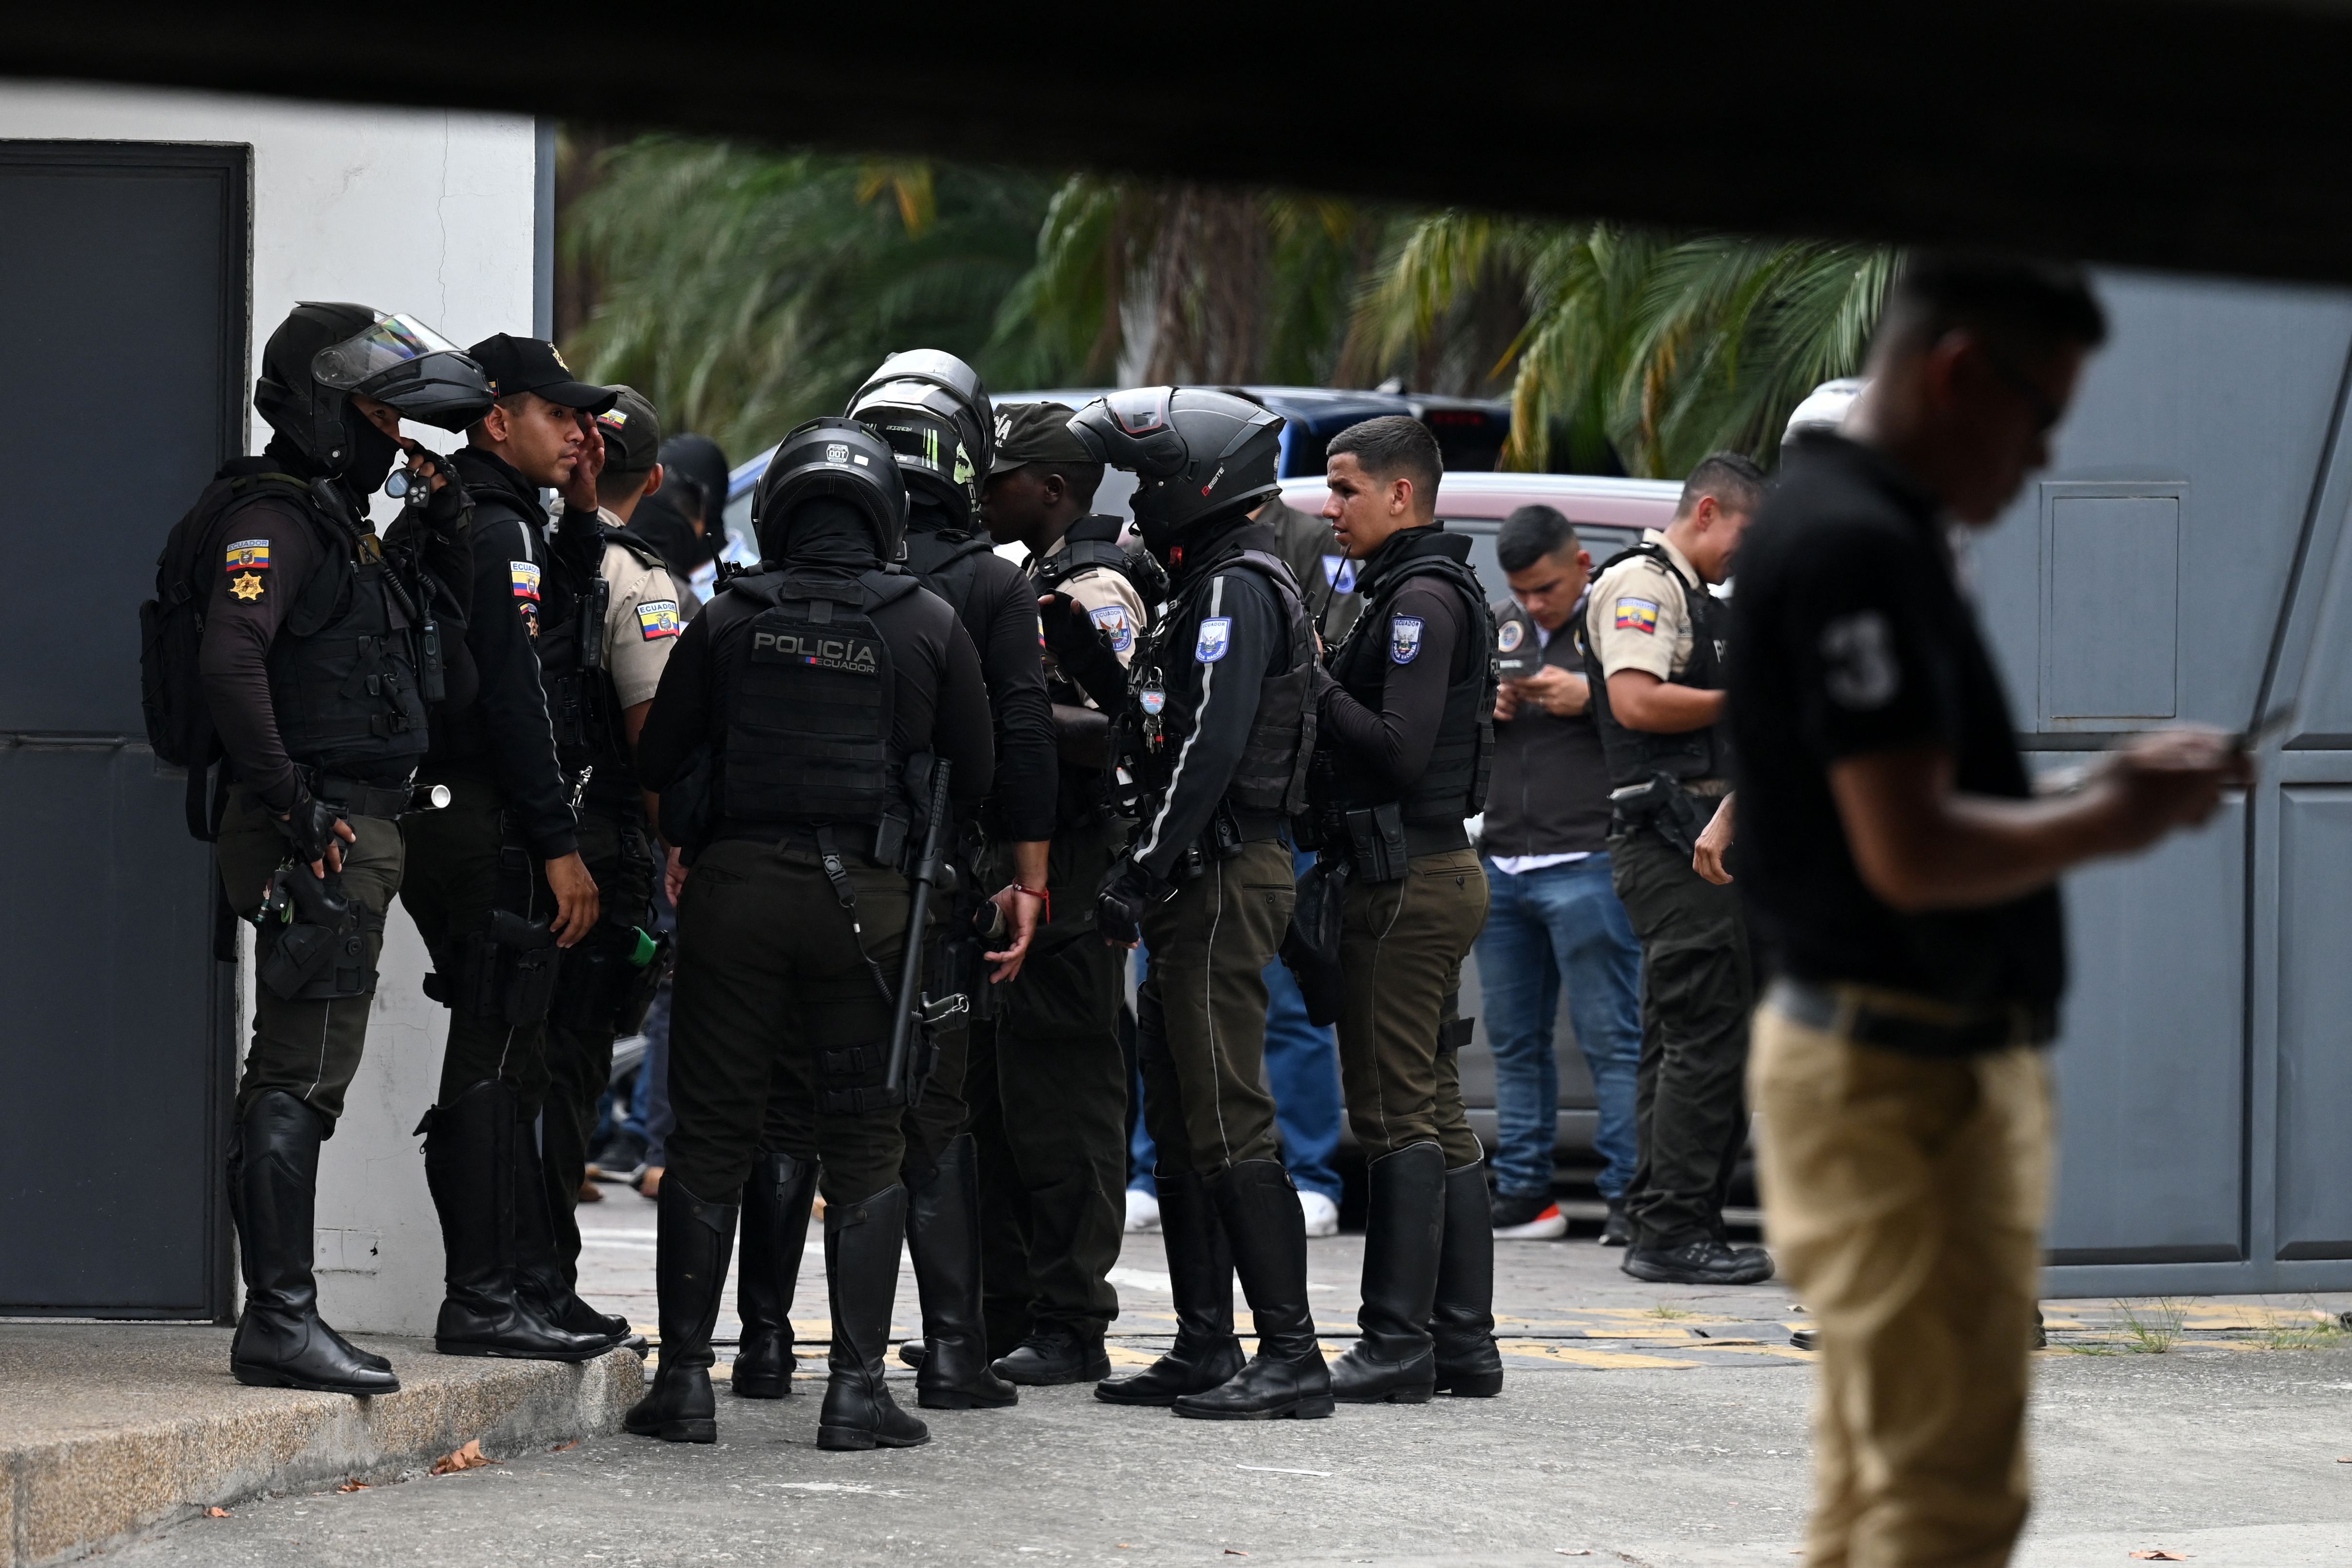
point(656, 618)
point(1404, 638)
point(1637, 615)
point(1216, 639)
point(1511, 634)
point(248, 586)
point(1113, 619)
point(248, 555)
point(525, 576)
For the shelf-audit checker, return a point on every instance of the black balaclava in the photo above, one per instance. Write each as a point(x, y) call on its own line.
point(698, 460)
point(372, 453)
point(824, 532)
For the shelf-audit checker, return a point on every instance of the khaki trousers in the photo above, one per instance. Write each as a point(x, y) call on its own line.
point(1904, 1198)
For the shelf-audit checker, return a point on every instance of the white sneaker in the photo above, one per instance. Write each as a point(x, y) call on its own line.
point(1322, 1213)
point(1142, 1212)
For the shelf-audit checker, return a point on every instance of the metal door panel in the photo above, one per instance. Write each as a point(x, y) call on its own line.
point(2314, 1022)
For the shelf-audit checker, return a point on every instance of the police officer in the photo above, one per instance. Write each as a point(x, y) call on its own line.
point(794, 709)
point(493, 923)
point(1048, 1081)
point(313, 664)
point(609, 618)
point(1222, 732)
point(933, 411)
point(1404, 742)
point(1654, 658)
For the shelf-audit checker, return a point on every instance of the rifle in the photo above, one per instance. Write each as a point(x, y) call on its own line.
point(931, 874)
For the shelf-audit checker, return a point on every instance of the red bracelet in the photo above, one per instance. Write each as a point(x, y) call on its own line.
point(1043, 895)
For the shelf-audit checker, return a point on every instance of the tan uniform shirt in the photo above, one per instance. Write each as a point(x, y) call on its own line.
point(1636, 617)
point(1109, 600)
point(641, 619)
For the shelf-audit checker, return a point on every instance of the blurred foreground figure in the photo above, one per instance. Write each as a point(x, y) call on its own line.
point(1893, 852)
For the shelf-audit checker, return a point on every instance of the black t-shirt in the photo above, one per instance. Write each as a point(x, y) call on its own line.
point(1850, 636)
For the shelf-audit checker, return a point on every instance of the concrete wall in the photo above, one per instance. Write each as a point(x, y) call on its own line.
point(433, 214)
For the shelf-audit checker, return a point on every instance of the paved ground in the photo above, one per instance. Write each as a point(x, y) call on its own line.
point(1640, 1424)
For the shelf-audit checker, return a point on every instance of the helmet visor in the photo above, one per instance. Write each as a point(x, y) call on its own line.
point(391, 343)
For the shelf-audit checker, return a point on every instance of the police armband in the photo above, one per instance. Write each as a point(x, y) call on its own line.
point(312, 940)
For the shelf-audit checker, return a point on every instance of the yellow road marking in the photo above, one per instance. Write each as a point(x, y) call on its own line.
point(1608, 1361)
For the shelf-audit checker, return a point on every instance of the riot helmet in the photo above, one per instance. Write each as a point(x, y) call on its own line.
point(1199, 457)
point(324, 354)
point(840, 458)
point(933, 411)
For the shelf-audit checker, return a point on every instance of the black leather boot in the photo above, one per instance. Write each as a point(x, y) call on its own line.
point(1462, 1320)
point(776, 1204)
point(1200, 1274)
point(469, 1166)
point(1055, 1354)
point(1403, 1229)
point(273, 1179)
point(861, 1272)
point(1268, 1235)
point(943, 1239)
point(547, 1280)
point(690, 1253)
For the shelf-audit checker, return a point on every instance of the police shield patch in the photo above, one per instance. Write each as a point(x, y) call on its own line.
point(1510, 636)
point(1404, 638)
point(1112, 618)
point(1216, 639)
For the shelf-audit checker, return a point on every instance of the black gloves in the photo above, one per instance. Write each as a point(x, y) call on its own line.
point(309, 827)
point(1127, 890)
point(1082, 650)
point(448, 504)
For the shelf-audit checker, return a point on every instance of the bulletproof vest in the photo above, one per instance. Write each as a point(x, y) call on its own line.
point(947, 562)
point(1454, 785)
point(342, 671)
point(1272, 774)
point(807, 699)
point(1092, 545)
point(573, 662)
point(1636, 756)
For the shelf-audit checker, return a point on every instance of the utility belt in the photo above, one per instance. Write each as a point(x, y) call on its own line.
point(1230, 828)
point(504, 974)
point(1378, 844)
point(389, 802)
point(1678, 810)
point(1901, 1021)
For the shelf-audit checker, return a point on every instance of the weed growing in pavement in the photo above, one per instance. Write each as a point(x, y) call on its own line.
point(1668, 1311)
point(2154, 1335)
point(2322, 1332)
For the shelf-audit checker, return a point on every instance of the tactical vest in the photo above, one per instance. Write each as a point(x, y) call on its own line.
point(1092, 545)
point(807, 700)
point(342, 671)
point(1454, 785)
point(1272, 774)
point(947, 562)
point(575, 665)
point(1636, 756)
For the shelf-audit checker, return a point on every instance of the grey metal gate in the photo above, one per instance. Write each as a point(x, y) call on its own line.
point(123, 326)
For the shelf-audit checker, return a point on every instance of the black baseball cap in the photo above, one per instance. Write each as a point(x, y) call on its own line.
point(632, 433)
point(532, 364)
point(1030, 432)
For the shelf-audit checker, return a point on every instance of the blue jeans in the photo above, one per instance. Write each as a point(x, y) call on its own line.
point(1302, 1068)
point(1560, 925)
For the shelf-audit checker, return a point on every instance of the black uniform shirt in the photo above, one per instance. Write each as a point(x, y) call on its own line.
point(268, 551)
point(1000, 614)
point(1427, 643)
point(1851, 637)
point(1223, 669)
point(941, 701)
point(506, 728)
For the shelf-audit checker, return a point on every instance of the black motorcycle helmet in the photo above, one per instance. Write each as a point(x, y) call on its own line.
point(1199, 457)
point(932, 409)
point(324, 354)
point(837, 458)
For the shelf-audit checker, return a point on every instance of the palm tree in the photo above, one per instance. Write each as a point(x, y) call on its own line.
point(746, 290)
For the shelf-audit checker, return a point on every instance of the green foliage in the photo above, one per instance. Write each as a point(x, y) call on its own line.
point(746, 290)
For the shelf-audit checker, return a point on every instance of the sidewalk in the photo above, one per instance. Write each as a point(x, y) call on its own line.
point(110, 1429)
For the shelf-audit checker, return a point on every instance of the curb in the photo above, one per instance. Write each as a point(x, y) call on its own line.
point(217, 1443)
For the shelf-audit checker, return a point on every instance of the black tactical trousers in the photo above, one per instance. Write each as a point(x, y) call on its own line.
point(451, 885)
point(774, 1008)
point(1698, 987)
point(309, 1049)
point(621, 856)
point(1201, 1014)
point(1047, 1084)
